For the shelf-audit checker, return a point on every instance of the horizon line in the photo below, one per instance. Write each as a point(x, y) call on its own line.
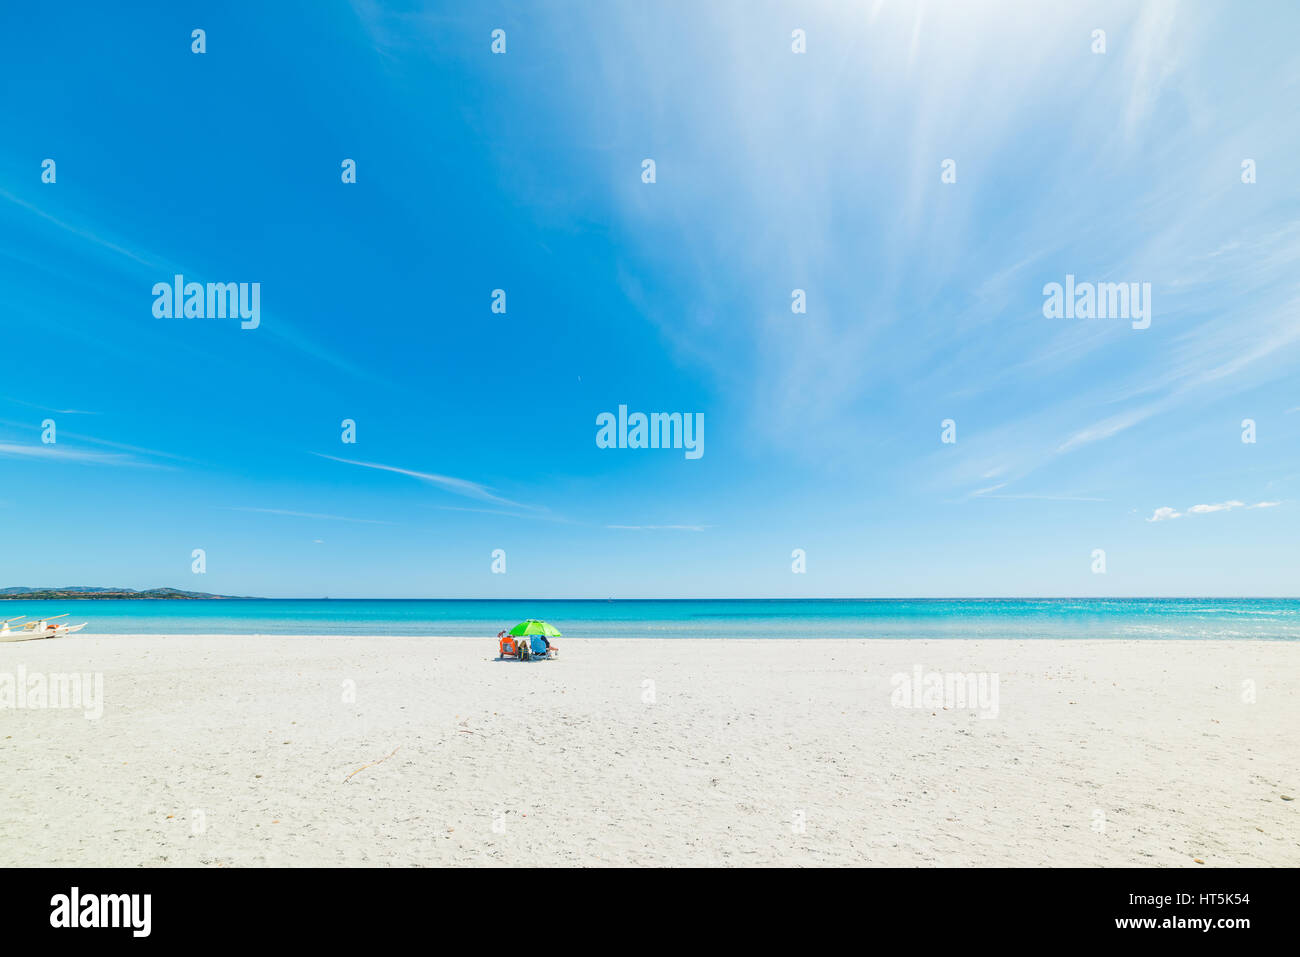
point(215, 597)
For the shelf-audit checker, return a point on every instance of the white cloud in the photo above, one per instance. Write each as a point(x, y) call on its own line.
point(1216, 507)
point(1165, 512)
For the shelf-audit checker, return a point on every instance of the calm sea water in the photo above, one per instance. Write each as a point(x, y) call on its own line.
point(1157, 618)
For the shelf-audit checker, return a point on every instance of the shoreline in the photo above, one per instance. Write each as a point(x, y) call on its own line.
point(831, 639)
point(986, 619)
point(244, 750)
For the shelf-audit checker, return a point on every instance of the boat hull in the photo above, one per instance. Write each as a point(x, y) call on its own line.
point(22, 635)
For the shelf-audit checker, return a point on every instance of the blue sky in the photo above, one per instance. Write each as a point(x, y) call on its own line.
point(775, 171)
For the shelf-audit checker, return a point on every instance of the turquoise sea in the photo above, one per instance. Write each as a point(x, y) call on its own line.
point(1154, 618)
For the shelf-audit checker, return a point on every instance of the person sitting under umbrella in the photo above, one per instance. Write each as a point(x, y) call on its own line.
point(535, 641)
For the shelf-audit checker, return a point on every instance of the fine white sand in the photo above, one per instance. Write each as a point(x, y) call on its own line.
point(225, 751)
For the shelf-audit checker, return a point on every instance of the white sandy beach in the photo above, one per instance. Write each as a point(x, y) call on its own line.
point(236, 752)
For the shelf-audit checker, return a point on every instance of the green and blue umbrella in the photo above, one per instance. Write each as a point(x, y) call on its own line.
point(534, 626)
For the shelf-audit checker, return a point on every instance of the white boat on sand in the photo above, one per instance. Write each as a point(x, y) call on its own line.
point(40, 628)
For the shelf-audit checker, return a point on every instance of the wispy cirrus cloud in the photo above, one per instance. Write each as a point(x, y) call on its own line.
point(537, 515)
point(80, 232)
point(661, 528)
point(1042, 497)
point(457, 486)
point(312, 515)
point(141, 259)
point(133, 450)
point(1108, 427)
point(46, 408)
point(155, 453)
point(56, 453)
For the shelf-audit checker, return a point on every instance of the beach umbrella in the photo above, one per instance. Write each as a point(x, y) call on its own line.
point(535, 627)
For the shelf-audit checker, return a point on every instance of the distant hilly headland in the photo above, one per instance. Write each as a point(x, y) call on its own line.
point(91, 591)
